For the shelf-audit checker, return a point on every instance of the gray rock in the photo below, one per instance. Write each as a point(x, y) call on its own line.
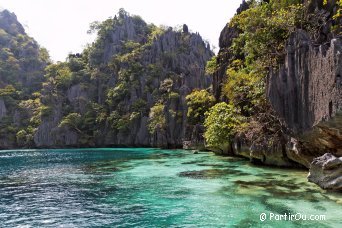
point(307, 88)
point(194, 139)
point(228, 34)
point(185, 28)
point(305, 91)
point(3, 110)
point(326, 171)
point(78, 97)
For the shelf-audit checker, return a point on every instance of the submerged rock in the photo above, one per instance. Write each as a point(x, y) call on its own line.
point(210, 173)
point(326, 171)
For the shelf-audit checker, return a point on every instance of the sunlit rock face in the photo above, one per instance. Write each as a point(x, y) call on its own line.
point(151, 64)
point(223, 57)
point(22, 63)
point(21, 57)
point(326, 171)
point(305, 91)
point(3, 109)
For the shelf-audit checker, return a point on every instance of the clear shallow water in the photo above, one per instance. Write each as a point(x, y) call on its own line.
point(153, 188)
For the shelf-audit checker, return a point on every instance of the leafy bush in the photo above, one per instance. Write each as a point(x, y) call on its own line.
point(157, 118)
point(243, 89)
point(21, 137)
point(7, 91)
point(73, 121)
point(139, 105)
point(76, 64)
point(119, 122)
point(174, 96)
point(221, 124)
point(61, 73)
point(115, 95)
point(198, 102)
point(130, 45)
point(211, 66)
point(45, 111)
point(265, 28)
point(166, 85)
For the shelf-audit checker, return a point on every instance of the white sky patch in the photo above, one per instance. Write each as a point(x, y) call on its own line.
point(61, 25)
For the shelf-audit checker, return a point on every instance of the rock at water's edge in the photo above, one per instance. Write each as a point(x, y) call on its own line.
point(326, 171)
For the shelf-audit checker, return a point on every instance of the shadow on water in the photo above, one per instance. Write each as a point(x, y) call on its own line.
point(277, 188)
point(144, 186)
point(211, 173)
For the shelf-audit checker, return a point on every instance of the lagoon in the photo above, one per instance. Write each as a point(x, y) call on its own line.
point(125, 187)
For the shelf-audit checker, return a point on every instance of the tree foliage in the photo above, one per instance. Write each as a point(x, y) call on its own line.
point(157, 118)
point(221, 124)
point(265, 28)
point(198, 102)
point(211, 66)
point(73, 121)
point(244, 89)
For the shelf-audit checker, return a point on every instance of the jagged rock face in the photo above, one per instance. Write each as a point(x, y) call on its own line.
point(3, 110)
point(326, 171)
point(50, 135)
point(78, 96)
point(9, 23)
point(307, 93)
point(142, 69)
point(224, 56)
point(22, 63)
point(187, 66)
point(20, 57)
point(307, 89)
point(130, 29)
point(194, 139)
point(324, 137)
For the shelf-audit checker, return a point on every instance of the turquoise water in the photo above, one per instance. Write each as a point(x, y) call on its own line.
point(153, 188)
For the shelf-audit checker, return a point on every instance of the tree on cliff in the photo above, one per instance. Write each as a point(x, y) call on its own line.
point(221, 123)
point(198, 102)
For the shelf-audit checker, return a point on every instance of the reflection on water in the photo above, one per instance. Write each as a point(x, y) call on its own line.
point(153, 188)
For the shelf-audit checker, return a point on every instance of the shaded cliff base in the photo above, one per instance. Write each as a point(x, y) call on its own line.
point(297, 151)
point(318, 150)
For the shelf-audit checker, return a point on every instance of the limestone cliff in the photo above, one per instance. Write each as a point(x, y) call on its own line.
point(304, 91)
point(22, 64)
point(225, 55)
point(127, 89)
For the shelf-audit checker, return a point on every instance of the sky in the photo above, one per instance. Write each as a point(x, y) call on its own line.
point(61, 25)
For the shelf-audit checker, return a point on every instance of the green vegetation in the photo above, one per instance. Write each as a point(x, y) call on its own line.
point(244, 89)
point(198, 102)
point(104, 91)
point(264, 29)
point(157, 118)
point(211, 66)
point(22, 64)
point(72, 120)
point(222, 122)
point(119, 122)
point(120, 83)
point(9, 90)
